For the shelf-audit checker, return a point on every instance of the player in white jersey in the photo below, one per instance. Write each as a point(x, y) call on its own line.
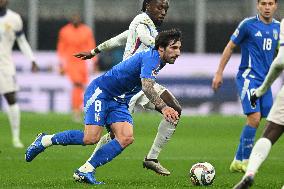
point(11, 29)
point(141, 35)
point(275, 122)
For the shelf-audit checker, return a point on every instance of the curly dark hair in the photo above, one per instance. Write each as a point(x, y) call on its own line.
point(165, 37)
point(145, 2)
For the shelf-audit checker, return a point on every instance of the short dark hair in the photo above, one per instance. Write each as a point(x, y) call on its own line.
point(165, 37)
point(145, 2)
point(274, 0)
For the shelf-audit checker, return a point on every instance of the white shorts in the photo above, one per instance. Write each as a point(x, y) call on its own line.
point(140, 99)
point(7, 83)
point(276, 114)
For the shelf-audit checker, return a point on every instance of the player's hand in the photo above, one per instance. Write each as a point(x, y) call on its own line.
point(35, 67)
point(84, 55)
point(170, 115)
point(253, 99)
point(217, 81)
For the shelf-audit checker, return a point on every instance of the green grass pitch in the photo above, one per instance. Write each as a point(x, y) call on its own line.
point(209, 138)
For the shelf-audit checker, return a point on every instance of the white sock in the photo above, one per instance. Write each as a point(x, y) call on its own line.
point(87, 167)
point(165, 132)
point(104, 139)
point(259, 153)
point(46, 140)
point(14, 117)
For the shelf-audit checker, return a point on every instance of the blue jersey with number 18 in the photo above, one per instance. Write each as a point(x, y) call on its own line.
point(258, 42)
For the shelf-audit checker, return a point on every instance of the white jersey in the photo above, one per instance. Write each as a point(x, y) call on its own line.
point(141, 35)
point(11, 25)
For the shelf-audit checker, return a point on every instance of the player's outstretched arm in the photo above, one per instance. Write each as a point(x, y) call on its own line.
point(275, 70)
point(27, 51)
point(218, 77)
point(148, 88)
point(110, 44)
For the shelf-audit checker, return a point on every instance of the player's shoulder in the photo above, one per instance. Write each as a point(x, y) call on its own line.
point(248, 20)
point(12, 14)
point(150, 53)
point(142, 18)
point(276, 22)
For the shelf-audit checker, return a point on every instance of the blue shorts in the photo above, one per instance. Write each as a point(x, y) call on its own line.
point(245, 88)
point(103, 110)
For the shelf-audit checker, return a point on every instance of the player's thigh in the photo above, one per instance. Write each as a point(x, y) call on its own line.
point(276, 113)
point(77, 73)
point(121, 122)
point(7, 83)
point(245, 88)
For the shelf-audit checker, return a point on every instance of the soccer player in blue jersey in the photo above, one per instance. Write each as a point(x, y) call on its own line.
point(258, 38)
point(106, 104)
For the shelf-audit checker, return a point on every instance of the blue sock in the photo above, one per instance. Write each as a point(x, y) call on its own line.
point(71, 137)
point(106, 153)
point(239, 154)
point(248, 140)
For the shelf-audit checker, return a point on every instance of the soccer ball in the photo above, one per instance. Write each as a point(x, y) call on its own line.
point(202, 174)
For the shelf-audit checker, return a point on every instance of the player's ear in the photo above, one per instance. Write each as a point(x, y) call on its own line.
point(161, 49)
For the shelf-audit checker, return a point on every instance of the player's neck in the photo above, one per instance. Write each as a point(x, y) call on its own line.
point(3, 11)
point(265, 20)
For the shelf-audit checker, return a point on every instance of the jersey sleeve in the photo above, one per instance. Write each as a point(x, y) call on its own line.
point(240, 33)
point(18, 26)
point(149, 65)
point(144, 33)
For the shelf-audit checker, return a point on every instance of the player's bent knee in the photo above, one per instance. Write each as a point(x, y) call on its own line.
point(254, 120)
point(91, 140)
point(126, 141)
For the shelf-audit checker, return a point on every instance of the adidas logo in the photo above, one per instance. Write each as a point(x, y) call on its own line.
point(258, 34)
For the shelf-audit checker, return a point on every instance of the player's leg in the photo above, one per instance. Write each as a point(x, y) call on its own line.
point(272, 132)
point(164, 134)
point(245, 87)
point(92, 134)
point(123, 137)
point(122, 126)
point(260, 152)
point(71, 137)
point(77, 72)
point(265, 103)
point(14, 116)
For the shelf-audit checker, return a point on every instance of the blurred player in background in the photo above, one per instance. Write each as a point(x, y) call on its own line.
point(72, 38)
point(106, 105)
point(275, 122)
point(258, 38)
point(140, 36)
point(11, 29)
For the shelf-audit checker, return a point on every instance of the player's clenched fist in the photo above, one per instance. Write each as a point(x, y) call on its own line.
point(170, 114)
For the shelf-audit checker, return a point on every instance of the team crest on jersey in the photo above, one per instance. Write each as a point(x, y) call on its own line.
point(275, 34)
